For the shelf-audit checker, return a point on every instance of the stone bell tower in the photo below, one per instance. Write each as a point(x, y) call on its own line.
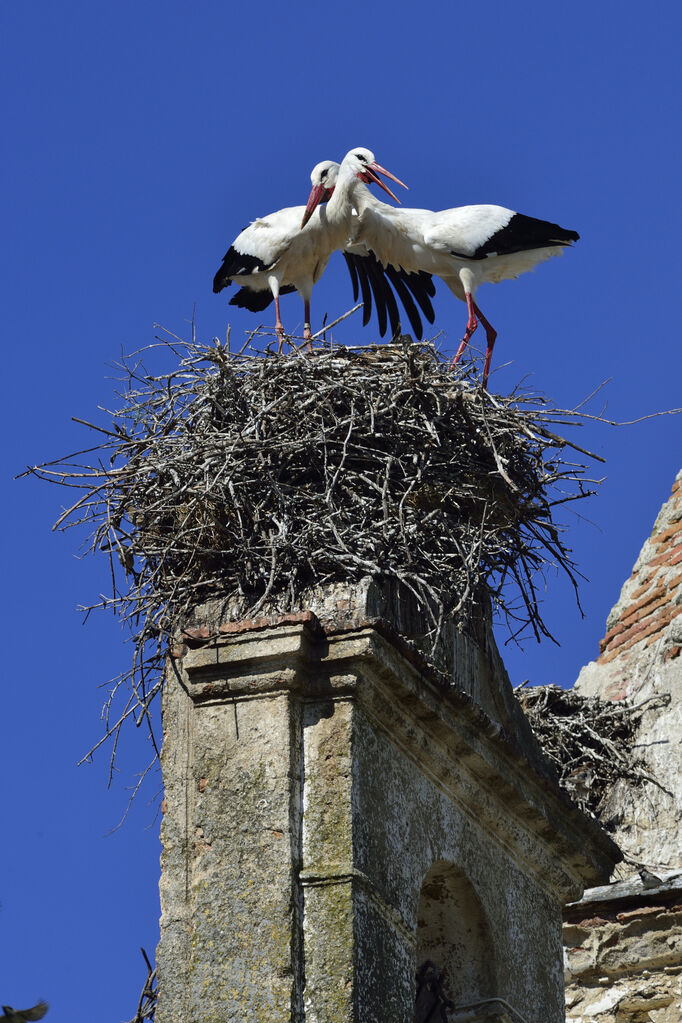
point(339, 812)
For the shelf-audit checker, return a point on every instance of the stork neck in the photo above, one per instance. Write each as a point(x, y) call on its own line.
point(340, 206)
point(337, 214)
point(363, 199)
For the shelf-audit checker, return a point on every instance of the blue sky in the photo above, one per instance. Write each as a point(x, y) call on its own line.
point(138, 139)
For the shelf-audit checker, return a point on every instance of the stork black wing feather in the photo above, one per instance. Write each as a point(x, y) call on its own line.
point(422, 287)
point(364, 287)
point(235, 263)
point(428, 285)
point(523, 233)
point(372, 281)
point(407, 285)
point(367, 265)
point(383, 289)
point(353, 274)
point(257, 301)
point(412, 289)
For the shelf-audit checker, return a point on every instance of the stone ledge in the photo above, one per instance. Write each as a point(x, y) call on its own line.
point(296, 653)
point(610, 899)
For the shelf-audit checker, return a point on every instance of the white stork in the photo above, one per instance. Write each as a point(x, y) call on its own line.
point(289, 250)
point(465, 247)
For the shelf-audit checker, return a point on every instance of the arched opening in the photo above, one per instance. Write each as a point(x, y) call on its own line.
point(453, 935)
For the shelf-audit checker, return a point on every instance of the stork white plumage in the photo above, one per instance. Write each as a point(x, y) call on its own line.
point(289, 250)
point(465, 246)
point(381, 287)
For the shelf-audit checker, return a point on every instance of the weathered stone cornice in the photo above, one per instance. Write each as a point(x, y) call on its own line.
point(431, 719)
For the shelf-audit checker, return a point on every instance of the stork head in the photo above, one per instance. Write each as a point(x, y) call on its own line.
point(359, 163)
point(363, 164)
point(325, 173)
point(323, 179)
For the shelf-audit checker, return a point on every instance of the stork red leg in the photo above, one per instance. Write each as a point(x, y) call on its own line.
point(307, 333)
point(279, 327)
point(472, 323)
point(490, 336)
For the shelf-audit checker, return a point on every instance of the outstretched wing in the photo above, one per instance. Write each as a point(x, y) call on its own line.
point(372, 279)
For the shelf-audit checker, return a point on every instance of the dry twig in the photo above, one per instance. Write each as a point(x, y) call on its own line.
point(146, 1006)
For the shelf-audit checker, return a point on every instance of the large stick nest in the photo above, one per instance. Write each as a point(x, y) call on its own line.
point(589, 741)
point(253, 477)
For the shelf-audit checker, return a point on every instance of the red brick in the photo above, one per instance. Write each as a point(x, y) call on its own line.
point(254, 624)
point(674, 651)
point(670, 619)
point(631, 914)
point(671, 556)
point(653, 582)
point(646, 612)
point(603, 643)
point(196, 633)
point(659, 622)
point(659, 538)
point(624, 633)
point(653, 595)
point(608, 655)
point(617, 690)
point(638, 633)
point(675, 582)
point(613, 631)
point(646, 585)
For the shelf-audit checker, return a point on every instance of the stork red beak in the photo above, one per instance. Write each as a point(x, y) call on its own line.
point(371, 173)
point(316, 196)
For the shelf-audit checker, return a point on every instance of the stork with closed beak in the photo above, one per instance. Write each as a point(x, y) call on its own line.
point(289, 250)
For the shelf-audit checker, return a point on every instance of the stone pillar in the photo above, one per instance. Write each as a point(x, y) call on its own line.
point(335, 810)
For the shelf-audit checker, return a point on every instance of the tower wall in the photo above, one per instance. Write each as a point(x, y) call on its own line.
point(321, 786)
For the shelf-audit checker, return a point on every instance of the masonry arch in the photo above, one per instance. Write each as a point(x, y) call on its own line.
point(453, 933)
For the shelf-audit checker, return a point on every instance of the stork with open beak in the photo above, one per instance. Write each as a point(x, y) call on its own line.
point(289, 250)
point(368, 171)
point(465, 246)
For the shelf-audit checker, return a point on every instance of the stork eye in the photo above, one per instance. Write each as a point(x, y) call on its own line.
point(361, 157)
point(323, 174)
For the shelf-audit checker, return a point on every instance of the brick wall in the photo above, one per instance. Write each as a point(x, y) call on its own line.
point(652, 597)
